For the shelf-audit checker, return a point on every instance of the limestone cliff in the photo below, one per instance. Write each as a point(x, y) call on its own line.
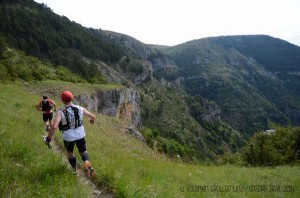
point(122, 103)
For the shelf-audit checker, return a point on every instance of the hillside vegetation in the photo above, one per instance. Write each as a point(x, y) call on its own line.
point(274, 54)
point(176, 125)
point(33, 28)
point(199, 99)
point(254, 79)
point(14, 64)
point(122, 162)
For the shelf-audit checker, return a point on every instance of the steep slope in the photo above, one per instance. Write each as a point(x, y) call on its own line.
point(35, 29)
point(179, 124)
point(129, 45)
point(122, 162)
point(250, 96)
point(27, 167)
point(273, 54)
point(278, 57)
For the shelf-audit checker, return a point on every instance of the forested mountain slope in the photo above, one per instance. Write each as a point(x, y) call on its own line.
point(253, 78)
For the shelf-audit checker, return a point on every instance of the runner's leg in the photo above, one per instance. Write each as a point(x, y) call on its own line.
point(70, 151)
point(81, 145)
point(46, 118)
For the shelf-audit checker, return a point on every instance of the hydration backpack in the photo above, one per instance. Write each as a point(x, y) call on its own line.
point(71, 120)
point(46, 106)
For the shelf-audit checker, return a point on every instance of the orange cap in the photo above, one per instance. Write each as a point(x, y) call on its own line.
point(67, 96)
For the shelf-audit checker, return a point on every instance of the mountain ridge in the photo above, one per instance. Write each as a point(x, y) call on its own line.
point(208, 59)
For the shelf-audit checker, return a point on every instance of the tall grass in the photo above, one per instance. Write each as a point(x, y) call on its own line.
point(123, 163)
point(27, 167)
point(134, 170)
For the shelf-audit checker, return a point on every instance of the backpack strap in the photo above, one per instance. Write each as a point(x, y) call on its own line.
point(78, 122)
point(64, 127)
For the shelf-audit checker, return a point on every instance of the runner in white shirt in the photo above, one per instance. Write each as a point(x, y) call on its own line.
point(69, 121)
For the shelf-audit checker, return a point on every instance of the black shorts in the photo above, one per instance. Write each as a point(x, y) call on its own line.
point(80, 144)
point(47, 116)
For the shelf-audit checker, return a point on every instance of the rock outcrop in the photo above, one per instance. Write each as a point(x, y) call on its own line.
point(111, 75)
point(211, 113)
point(122, 103)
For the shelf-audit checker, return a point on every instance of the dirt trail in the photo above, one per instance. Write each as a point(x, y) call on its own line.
point(96, 190)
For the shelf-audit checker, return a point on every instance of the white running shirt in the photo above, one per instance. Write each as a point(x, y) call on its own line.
point(72, 134)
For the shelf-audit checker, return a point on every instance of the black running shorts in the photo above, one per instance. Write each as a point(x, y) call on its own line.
point(47, 116)
point(80, 144)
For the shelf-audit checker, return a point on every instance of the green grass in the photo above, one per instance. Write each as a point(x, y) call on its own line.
point(55, 87)
point(123, 163)
point(134, 170)
point(27, 167)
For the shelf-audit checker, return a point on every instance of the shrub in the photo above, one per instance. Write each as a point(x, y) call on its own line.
point(147, 133)
point(280, 147)
point(3, 73)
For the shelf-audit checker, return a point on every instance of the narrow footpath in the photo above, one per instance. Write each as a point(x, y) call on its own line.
point(96, 190)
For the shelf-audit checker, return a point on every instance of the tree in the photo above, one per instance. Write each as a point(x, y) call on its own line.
point(260, 151)
point(280, 147)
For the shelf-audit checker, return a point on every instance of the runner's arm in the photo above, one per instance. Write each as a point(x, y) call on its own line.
point(54, 105)
point(91, 116)
point(38, 107)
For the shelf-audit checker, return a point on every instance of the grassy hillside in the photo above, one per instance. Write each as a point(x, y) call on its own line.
point(27, 167)
point(123, 163)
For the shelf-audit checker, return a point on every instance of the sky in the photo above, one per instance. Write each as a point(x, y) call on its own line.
point(171, 22)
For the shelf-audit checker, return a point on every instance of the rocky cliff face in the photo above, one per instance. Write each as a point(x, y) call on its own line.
point(164, 67)
point(136, 70)
point(111, 75)
point(211, 113)
point(123, 103)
